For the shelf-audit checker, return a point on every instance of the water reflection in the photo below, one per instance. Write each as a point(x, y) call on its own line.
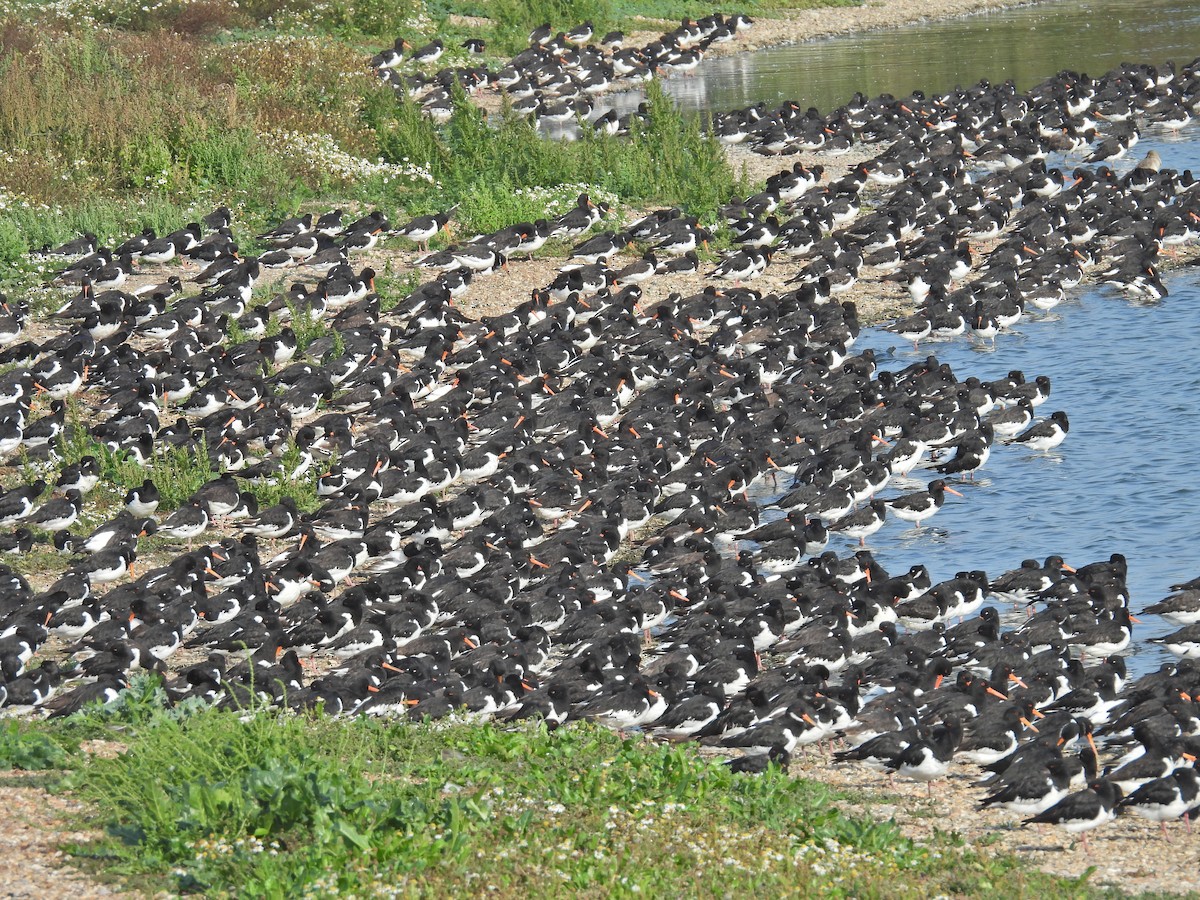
point(1026, 44)
point(1128, 375)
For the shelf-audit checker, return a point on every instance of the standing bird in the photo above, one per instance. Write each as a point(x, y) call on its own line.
point(1084, 810)
point(188, 522)
point(973, 451)
point(18, 503)
point(862, 523)
point(920, 505)
point(914, 328)
point(143, 501)
point(1169, 797)
point(430, 53)
point(928, 759)
point(1045, 435)
point(82, 476)
point(391, 57)
point(423, 228)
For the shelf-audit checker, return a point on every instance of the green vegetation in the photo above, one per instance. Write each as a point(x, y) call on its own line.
point(24, 748)
point(119, 115)
point(177, 472)
point(494, 170)
point(356, 18)
point(272, 804)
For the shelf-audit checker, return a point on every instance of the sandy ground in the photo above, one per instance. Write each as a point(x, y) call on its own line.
point(32, 865)
point(795, 26)
point(1128, 854)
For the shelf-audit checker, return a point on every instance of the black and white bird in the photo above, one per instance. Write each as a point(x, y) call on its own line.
point(187, 523)
point(143, 500)
point(921, 505)
point(1170, 797)
point(1084, 810)
point(59, 513)
point(1032, 790)
point(862, 523)
point(1045, 435)
point(927, 760)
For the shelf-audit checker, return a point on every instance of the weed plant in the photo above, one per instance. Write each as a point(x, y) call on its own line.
point(488, 166)
point(28, 749)
point(177, 472)
point(111, 132)
point(263, 803)
point(116, 131)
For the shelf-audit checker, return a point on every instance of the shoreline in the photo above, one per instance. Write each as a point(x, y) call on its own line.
point(877, 301)
point(798, 26)
point(1122, 858)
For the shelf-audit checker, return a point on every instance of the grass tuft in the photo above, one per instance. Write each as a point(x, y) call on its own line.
point(273, 804)
point(494, 169)
point(27, 749)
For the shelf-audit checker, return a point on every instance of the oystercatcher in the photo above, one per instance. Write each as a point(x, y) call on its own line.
point(921, 505)
point(1045, 435)
point(1166, 798)
point(1080, 812)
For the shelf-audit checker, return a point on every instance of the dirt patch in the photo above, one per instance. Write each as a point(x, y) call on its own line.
point(796, 26)
point(32, 862)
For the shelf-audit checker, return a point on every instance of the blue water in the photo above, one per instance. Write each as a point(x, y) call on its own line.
point(1127, 373)
point(1128, 377)
point(1026, 44)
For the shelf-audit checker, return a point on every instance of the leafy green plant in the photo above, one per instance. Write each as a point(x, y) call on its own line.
point(12, 243)
point(514, 19)
point(487, 167)
point(302, 490)
point(276, 804)
point(22, 748)
point(375, 18)
point(178, 472)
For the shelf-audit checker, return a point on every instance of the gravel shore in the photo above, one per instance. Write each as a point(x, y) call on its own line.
point(796, 26)
point(1128, 854)
point(32, 865)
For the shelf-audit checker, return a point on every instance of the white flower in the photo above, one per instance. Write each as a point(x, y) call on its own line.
point(321, 154)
